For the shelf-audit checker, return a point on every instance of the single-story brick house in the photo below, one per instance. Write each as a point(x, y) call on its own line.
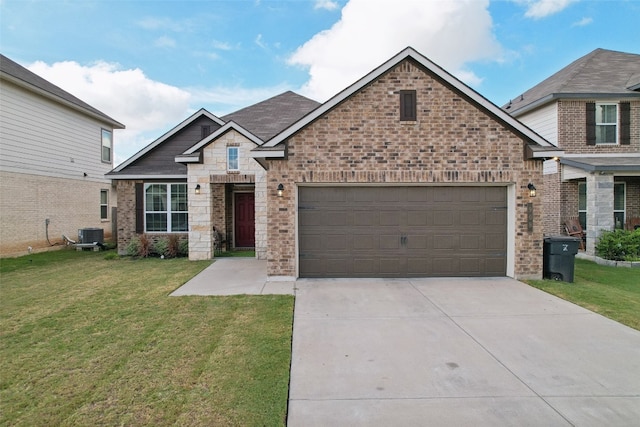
point(406, 173)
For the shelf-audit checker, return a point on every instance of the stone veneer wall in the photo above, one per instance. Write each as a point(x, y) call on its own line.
point(362, 141)
point(208, 209)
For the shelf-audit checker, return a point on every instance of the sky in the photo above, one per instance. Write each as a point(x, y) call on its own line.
point(149, 64)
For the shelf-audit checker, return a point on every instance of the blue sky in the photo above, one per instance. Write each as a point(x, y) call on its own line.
point(150, 64)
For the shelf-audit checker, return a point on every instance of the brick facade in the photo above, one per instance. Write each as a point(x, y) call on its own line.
point(362, 141)
point(29, 200)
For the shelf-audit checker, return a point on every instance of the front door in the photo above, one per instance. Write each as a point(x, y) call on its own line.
point(245, 220)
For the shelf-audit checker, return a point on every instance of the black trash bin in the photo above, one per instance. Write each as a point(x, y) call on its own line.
point(558, 257)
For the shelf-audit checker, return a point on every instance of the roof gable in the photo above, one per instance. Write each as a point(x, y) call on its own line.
point(17, 74)
point(599, 74)
point(163, 148)
point(266, 150)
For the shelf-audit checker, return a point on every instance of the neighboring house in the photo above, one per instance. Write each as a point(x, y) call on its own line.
point(406, 173)
point(54, 152)
point(591, 110)
point(199, 181)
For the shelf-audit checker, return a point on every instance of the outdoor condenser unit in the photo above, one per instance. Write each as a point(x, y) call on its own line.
point(91, 235)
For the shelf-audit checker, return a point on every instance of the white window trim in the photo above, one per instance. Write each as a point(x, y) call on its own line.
point(102, 145)
point(229, 168)
point(617, 123)
point(585, 195)
point(624, 208)
point(106, 217)
point(168, 212)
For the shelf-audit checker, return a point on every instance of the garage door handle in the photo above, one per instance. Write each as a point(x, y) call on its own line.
point(403, 240)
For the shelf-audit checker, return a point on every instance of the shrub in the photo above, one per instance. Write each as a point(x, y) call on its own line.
point(173, 246)
point(133, 248)
point(111, 256)
point(619, 245)
point(183, 247)
point(161, 247)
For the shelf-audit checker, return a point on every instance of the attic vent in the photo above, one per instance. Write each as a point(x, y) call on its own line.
point(205, 131)
point(407, 105)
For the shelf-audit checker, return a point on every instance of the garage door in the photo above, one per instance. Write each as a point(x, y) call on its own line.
point(402, 231)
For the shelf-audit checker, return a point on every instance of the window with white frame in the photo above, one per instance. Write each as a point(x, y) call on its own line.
point(233, 161)
point(619, 191)
point(107, 144)
point(606, 123)
point(582, 204)
point(165, 208)
point(104, 204)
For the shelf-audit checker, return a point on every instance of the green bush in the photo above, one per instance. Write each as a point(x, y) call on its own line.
point(133, 248)
point(183, 247)
point(161, 247)
point(619, 245)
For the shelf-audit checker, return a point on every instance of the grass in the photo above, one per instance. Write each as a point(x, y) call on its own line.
point(94, 341)
point(237, 254)
point(613, 292)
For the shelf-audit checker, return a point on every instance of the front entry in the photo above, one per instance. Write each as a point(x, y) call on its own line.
point(245, 220)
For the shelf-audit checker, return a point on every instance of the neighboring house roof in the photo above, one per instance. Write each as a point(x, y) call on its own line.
point(604, 164)
point(173, 131)
point(267, 149)
point(17, 74)
point(267, 118)
point(601, 74)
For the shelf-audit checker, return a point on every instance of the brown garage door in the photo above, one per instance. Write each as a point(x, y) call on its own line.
point(402, 231)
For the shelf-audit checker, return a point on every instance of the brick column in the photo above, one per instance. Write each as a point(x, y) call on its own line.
point(599, 208)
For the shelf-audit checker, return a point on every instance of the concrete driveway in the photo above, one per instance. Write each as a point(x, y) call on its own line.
point(456, 352)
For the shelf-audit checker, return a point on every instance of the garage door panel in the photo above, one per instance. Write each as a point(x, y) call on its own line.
point(402, 231)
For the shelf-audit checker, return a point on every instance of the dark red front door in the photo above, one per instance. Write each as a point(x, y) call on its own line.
point(245, 220)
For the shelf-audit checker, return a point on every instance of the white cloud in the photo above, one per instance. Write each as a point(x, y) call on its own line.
point(128, 96)
point(217, 44)
point(326, 5)
point(583, 22)
point(451, 33)
point(537, 9)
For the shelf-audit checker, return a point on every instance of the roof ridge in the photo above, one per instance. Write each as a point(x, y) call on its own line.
point(587, 59)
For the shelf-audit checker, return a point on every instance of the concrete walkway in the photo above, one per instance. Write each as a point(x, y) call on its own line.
point(234, 276)
point(456, 352)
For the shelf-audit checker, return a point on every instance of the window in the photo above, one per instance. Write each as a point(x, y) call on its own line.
point(104, 204)
point(407, 105)
point(606, 123)
point(106, 145)
point(582, 204)
point(618, 204)
point(166, 208)
point(232, 159)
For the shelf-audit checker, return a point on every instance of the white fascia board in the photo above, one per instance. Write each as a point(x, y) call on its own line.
point(267, 154)
point(189, 158)
point(167, 135)
point(436, 69)
point(143, 177)
point(224, 129)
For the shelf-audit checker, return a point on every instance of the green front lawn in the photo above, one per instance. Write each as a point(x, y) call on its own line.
point(613, 292)
point(91, 341)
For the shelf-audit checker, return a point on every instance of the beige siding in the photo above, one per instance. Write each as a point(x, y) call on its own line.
point(41, 137)
point(544, 121)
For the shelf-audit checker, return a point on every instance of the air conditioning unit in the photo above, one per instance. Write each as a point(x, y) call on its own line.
point(91, 235)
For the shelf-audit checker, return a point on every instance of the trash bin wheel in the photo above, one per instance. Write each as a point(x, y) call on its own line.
point(556, 276)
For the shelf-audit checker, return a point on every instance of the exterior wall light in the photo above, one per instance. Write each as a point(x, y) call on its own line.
point(198, 189)
point(532, 190)
point(280, 190)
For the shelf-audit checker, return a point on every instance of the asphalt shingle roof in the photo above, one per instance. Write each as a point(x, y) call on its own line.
point(267, 118)
point(17, 71)
point(601, 72)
